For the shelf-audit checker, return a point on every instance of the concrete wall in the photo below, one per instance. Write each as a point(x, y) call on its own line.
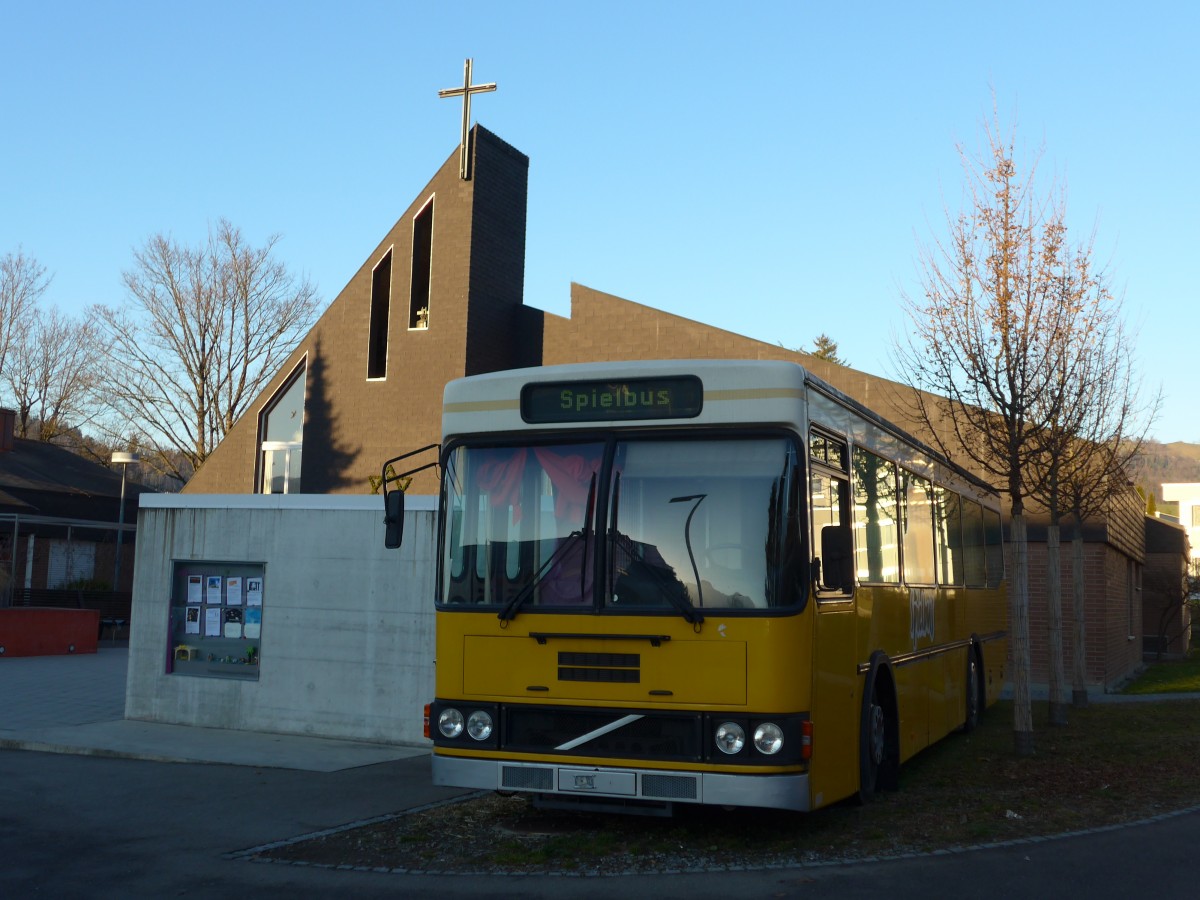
point(348, 627)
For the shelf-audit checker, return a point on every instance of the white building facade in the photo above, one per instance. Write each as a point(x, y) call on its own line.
point(1187, 495)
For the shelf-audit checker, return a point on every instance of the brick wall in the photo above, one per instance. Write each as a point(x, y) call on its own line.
point(1111, 656)
point(497, 270)
point(38, 574)
point(352, 424)
point(603, 328)
point(1166, 617)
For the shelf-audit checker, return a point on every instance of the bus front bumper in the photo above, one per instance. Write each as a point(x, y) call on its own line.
point(774, 791)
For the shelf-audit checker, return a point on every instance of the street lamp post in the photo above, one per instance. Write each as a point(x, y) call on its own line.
point(124, 459)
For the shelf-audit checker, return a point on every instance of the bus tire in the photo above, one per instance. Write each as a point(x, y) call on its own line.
point(973, 689)
point(878, 743)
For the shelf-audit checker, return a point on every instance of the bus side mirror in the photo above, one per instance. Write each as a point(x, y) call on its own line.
point(837, 559)
point(393, 519)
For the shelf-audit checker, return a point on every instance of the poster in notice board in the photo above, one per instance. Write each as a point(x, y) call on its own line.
point(216, 619)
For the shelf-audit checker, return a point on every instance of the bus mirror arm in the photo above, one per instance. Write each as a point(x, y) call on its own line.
point(838, 552)
point(393, 486)
point(393, 519)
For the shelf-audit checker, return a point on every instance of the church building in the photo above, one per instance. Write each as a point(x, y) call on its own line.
point(441, 296)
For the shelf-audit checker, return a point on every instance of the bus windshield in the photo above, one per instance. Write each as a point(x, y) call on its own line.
point(706, 519)
point(686, 525)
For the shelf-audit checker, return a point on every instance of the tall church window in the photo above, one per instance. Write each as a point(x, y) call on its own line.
point(422, 258)
point(381, 310)
point(282, 432)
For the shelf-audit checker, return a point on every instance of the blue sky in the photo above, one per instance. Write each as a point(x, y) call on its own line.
point(766, 168)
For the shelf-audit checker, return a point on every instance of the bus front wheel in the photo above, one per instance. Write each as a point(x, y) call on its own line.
point(876, 753)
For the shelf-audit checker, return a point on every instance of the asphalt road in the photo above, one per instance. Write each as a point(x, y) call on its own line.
point(94, 827)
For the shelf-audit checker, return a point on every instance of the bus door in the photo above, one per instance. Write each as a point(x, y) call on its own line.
point(835, 695)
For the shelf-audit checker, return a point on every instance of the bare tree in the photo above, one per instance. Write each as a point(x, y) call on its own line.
point(22, 282)
point(1097, 423)
point(52, 373)
point(985, 353)
point(202, 331)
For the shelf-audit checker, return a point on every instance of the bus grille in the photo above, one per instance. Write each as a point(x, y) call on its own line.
point(527, 778)
point(669, 787)
point(603, 676)
point(610, 668)
point(652, 735)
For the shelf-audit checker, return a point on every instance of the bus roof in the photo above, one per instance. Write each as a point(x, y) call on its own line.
point(734, 390)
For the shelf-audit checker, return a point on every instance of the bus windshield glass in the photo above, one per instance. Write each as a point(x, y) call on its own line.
point(688, 524)
point(517, 521)
point(706, 520)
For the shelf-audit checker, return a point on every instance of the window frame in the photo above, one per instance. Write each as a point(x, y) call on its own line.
point(789, 576)
point(300, 371)
point(379, 323)
point(420, 283)
point(829, 458)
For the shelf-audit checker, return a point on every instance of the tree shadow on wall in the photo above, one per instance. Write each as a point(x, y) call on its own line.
point(327, 459)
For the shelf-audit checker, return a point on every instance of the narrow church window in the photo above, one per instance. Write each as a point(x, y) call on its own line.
point(282, 438)
point(381, 306)
point(422, 255)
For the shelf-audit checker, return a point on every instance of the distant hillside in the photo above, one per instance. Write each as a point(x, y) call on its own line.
point(1157, 464)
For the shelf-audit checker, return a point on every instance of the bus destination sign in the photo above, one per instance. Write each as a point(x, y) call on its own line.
point(676, 397)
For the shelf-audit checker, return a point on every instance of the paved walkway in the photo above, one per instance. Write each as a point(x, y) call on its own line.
point(122, 822)
point(76, 704)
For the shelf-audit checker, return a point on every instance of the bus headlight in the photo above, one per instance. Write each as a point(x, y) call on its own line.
point(731, 738)
point(479, 725)
point(450, 723)
point(768, 738)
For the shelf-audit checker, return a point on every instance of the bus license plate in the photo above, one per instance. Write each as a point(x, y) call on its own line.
point(591, 781)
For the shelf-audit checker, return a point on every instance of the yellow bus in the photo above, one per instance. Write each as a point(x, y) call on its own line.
point(705, 581)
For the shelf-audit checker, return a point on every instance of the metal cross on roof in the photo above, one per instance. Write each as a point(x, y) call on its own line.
point(465, 92)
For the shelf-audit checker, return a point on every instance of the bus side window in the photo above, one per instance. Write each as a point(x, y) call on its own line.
point(833, 570)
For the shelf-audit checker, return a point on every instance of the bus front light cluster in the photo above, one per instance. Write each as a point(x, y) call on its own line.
point(778, 740)
point(450, 723)
point(455, 723)
point(768, 738)
point(479, 725)
point(731, 737)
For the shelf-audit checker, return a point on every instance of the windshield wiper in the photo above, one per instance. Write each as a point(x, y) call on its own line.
point(510, 609)
point(676, 593)
point(668, 585)
point(684, 605)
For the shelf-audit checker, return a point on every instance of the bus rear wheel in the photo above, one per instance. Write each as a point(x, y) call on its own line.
point(974, 685)
point(874, 743)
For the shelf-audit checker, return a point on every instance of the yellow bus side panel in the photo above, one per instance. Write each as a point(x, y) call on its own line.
point(988, 611)
point(837, 705)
